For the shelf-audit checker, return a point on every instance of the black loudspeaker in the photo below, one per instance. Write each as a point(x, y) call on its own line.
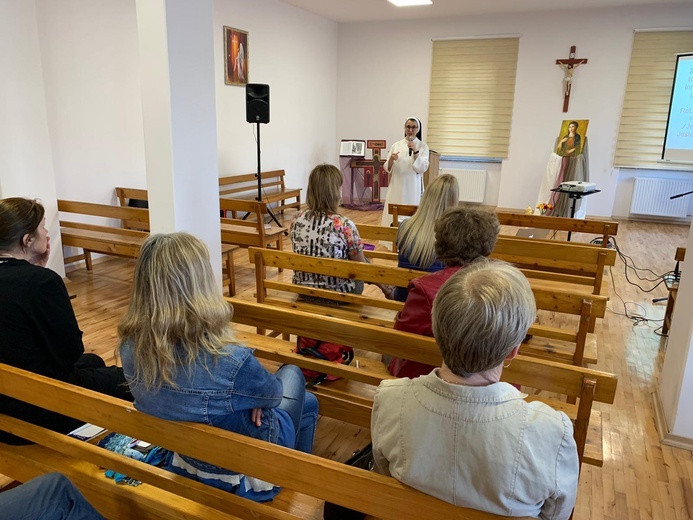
point(257, 103)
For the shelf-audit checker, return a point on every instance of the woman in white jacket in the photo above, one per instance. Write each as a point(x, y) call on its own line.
point(406, 163)
point(462, 435)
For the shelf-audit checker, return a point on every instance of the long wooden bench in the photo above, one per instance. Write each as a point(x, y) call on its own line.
point(248, 230)
point(569, 345)
point(307, 480)
point(109, 240)
point(274, 189)
point(605, 228)
point(350, 399)
point(569, 263)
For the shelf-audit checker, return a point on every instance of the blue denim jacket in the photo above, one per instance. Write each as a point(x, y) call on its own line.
point(220, 392)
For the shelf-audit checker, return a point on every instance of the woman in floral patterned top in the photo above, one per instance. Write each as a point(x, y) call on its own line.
point(320, 231)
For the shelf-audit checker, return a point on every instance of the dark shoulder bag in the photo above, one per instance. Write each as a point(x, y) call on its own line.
point(363, 459)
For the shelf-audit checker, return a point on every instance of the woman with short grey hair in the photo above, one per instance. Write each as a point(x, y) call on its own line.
point(462, 435)
point(480, 319)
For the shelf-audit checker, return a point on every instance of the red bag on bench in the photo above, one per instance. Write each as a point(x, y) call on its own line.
point(323, 350)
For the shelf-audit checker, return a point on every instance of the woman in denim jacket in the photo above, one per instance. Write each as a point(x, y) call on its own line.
point(462, 435)
point(182, 363)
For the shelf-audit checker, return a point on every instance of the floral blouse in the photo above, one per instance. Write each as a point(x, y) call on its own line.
point(325, 236)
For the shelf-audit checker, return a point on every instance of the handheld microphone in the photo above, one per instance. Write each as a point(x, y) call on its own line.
point(410, 150)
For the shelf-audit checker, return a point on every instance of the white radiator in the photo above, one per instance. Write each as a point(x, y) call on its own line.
point(472, 183)
point(651, 197)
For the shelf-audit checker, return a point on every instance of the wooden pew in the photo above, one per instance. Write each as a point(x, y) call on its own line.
point(576, 345)
point(350, 399)
point(109, 240)
point(129, 198)
point(568, 263)
point(273, 189)
point(605, 228)
point(249, 230)
point(307, 479)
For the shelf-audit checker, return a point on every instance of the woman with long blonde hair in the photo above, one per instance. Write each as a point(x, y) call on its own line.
point(182, 363)
point(416, 236)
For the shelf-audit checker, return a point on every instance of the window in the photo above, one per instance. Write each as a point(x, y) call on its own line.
point(646, 102)
point(472, 94)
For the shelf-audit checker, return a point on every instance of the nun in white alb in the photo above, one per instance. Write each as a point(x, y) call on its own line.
point(406, 162)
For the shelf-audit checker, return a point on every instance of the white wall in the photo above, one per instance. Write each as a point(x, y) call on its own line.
point(626, 183)
point(384, 75)
point(91, 72)
point(295, 53)
point(89, 50)
point(676, 380)
point(25, 148)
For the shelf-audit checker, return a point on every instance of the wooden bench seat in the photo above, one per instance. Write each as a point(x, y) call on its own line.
point(350, 398)
point(101, 239)
point(116, 241)
point(569, 345)
point(274, 189)
point(307, 480)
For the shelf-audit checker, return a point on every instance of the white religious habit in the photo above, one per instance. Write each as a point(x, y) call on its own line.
point(406, 176)
point(561, 169)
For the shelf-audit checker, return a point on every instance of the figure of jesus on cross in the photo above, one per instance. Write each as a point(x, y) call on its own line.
point(569, 67)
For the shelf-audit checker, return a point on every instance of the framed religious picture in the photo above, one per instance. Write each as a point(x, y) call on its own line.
point(571, 138)
point(235, 56)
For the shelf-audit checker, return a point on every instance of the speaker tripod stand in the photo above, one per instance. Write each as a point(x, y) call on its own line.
point(258, 175)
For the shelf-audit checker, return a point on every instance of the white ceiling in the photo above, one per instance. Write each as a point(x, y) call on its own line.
point(381, 10)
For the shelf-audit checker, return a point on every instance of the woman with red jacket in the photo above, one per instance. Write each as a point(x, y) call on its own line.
point(462, 235)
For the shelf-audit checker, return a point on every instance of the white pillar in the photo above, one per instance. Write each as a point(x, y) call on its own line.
point(26, 162)
point(179, 111)
point(674, 396)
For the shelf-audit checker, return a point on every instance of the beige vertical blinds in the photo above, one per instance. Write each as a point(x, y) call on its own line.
point(472, 93)
point(646, 102)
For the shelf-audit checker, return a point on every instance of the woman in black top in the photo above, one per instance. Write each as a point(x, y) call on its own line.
point(38, 328)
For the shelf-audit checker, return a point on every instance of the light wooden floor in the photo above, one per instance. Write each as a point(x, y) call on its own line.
point(640, 479)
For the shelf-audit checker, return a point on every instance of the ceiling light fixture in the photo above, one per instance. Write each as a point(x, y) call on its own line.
point(408, 3)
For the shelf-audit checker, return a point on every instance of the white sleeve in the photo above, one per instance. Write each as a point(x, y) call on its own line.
point(560, 505)
point(387, 159)
point(421, 163)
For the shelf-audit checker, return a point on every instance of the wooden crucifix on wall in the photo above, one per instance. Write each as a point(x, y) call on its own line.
point(569, 65)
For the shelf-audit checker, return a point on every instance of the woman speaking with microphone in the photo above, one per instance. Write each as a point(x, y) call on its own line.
point(405, 165)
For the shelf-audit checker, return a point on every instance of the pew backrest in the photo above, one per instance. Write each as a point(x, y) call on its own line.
point(382, 312)
point(562, 262)
point(323, 479)
point(605, 228)
point(571, 381)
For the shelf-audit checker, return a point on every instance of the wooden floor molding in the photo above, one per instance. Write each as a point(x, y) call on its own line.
point(642, 478)
point(665, 435)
